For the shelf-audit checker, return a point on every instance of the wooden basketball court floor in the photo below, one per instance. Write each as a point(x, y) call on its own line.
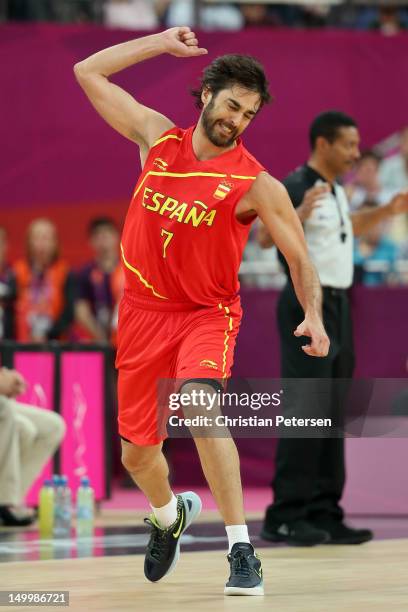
point(371, 577)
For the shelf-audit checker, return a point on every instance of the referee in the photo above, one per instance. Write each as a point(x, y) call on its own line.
point(310, 472)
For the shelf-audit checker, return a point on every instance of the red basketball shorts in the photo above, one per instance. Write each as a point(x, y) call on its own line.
point(168, 341)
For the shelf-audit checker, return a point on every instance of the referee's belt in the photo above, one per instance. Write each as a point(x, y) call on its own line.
point(334, 291)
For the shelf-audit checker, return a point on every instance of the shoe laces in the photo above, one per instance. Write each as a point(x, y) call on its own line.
point(240, 565)
point(158, 541)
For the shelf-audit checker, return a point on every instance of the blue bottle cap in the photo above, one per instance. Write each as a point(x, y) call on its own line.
point(84, 481)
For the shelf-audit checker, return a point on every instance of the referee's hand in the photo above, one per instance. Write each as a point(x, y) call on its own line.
point(313, 328)
point(311, 200)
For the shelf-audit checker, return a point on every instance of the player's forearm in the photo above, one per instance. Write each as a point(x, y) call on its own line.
point(117, 58)
point(307, 287)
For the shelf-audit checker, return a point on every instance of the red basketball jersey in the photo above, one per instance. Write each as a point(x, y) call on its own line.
point(181, 241)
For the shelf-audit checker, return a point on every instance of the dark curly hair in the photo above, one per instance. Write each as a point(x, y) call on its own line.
point(233, 69)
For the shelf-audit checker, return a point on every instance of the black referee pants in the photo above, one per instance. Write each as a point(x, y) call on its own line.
point(310, 472)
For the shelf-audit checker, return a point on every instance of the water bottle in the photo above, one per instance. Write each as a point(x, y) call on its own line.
point(85, 509)
point(46, 510)
point(62, 509)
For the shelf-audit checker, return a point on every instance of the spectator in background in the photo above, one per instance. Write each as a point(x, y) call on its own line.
point(257, 14)
point(30, 10)
point(394, 169)
point(29, 436)
point(7, 290)
point(389, 20)
point(100, 283)
point(344, 15)
point(365, 185)
point(374, 255)
point(394, 178)
point(44, 287)
point(315, 14)
point(223, 16)
point(67, 11)
point(131, 14)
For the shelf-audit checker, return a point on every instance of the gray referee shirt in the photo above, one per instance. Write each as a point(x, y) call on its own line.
point(328, 230)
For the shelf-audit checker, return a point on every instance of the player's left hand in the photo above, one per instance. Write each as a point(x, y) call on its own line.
point(314, 329)
point(399, 203)
point(182, 42)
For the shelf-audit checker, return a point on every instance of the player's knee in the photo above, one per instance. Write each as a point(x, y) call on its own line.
point(139, 458)
point(203, 399)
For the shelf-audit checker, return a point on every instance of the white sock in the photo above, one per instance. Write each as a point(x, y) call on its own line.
point(236, 533)
point(166, 515)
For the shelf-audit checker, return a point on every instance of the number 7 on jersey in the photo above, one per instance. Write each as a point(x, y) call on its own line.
point(169, 236)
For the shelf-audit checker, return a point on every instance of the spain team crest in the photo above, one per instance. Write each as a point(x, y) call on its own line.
point(223, 190)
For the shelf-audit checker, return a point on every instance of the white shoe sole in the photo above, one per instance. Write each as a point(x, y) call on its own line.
point(258, 590)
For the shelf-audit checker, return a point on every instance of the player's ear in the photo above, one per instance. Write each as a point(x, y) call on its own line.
point(206, 96)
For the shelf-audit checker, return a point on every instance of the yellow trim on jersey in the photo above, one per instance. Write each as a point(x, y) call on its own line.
point(140, 277)
point(226, 339)
point(163, 138)
point(188, 175)
point(176, 175)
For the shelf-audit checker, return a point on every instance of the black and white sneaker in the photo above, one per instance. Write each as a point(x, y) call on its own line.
point(163, 549)
point(245, 571)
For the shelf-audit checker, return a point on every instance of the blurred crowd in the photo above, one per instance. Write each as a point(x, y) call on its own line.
point(387, 17)
point(42, 298)
point(381, 255)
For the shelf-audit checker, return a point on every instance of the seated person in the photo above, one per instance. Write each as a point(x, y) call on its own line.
point(29, 436)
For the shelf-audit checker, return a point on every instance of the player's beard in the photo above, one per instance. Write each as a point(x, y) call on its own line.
point(209, 124)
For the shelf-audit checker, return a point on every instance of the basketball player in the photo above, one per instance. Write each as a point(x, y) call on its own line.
point(182, 243)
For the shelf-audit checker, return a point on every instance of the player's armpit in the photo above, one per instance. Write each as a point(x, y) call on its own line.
point(120, 110)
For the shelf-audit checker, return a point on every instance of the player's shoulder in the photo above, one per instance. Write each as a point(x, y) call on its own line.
point(266, 187)
point(174, 133)
point(251, 162)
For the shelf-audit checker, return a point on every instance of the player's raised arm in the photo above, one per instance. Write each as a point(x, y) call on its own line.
point(269, 198)
point(130, 118)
